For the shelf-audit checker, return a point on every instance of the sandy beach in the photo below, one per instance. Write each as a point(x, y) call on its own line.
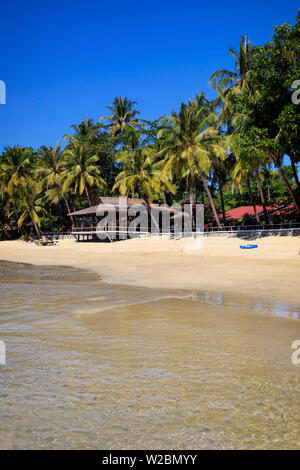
point(270, 271)
point(114, 365)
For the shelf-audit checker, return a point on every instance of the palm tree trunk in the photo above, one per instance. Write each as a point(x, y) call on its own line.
point(87, 195)
point(191, 210)
point(151, 215)
point(203, 180)
point(4, 230)
point(262, 197)
point(295, 174)
point(68, 209)
point(222, 201)
point(268, 193)
point(277, 162)
point(289, 188)
point(12, 229)
point(252, 201)
point(35, 225)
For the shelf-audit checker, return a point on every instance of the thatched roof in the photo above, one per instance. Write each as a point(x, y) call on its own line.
point(109, 202)
point(86, 211)
point(114, 202)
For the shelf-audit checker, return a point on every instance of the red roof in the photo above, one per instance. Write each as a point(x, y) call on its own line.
point(283, 210)
point(248, 211)
point(244, 211)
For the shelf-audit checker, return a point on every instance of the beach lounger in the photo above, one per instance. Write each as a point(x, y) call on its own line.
point(45, 242)
point(52, 242)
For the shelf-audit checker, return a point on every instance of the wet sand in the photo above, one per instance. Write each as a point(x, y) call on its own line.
point(106, 366)
point(202, 359)
point(270, 271)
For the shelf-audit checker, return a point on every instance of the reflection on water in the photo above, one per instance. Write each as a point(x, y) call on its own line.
point(267, 307)
point(92, 365)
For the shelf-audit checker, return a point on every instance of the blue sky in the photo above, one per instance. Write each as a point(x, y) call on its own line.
point(64, 60)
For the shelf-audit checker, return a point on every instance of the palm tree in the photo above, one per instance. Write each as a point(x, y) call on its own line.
point(85, 128)
point(80, 170)
point(250, 164)
point(192, 178)
point(123, 115)
point(86, 131)
point(16, 167)
point(160, 181)
point(220, 170)
point(29, 206)
point(51, 168)
point(241, 174)
point(193, 139)
point(4, 210)
point(239, 80)
point(138, 176)
point(229, 84)
point(256, 145)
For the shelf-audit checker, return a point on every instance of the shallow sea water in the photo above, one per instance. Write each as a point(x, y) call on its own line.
point(100, 366)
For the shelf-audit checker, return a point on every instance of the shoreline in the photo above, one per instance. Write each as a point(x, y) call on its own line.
point(270, 272)
point(203, 356)
point(155, 363)
point(229, 301)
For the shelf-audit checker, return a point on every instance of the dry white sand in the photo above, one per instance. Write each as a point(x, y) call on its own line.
point(270, 271)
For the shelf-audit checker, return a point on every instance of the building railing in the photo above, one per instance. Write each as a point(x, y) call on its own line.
point(237, 228)
point(226, 228)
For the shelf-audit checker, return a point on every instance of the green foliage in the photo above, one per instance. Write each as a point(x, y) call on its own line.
point(223, 151)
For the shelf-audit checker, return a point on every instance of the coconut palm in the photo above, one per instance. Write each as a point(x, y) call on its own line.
point(50, 171)
point(250, 166)
point(85, 128)
point(241, 175)
point(239, 80)
point(86, 131)
point(29, 205)
point(80, 170)
point(162, 183)
point(4, 210)
point(123, 115)
point(138, 176)
point(16, 167)
point(220, 171)
point(192, 140)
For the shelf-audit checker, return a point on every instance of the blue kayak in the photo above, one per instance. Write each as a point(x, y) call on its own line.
point(248, 247)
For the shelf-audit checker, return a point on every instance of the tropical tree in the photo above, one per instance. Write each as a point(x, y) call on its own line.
point(29, 205)
point(220, 169)
point(4, 211)
point(85, 131)
point(138, 175)
point(267, 121)
point(162, 184)
point(123, 115)
point(250, 162)
point(16, 167)
point(192, 140)
point(80, 172)
point(50, 171)
point(238, 81)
